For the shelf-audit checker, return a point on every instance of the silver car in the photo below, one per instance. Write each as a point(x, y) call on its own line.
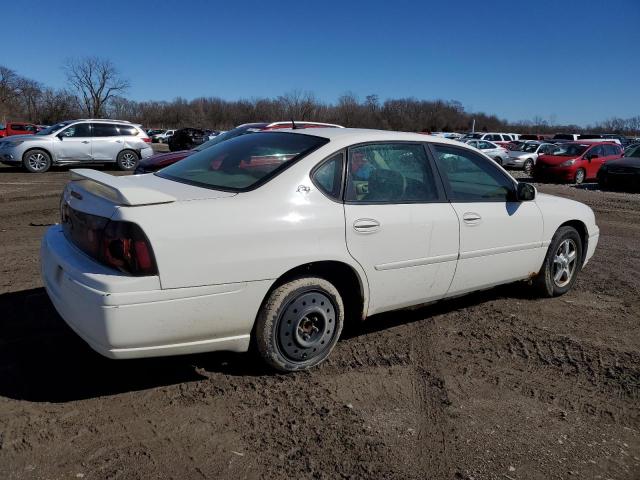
point(498, 153)
point(524, 156)
point(78, 141)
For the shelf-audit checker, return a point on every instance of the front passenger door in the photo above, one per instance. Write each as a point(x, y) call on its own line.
point(500, 239)
point(74, 143)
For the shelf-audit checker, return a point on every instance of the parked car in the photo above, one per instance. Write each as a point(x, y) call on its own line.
point(18, 128)
point(187, 138)
point(498, 153)
point(501, 139)
point(575, 162)
point(78, 141)
point(525, 155)
point(621, 174)
point(154, 131)
point(632, 150)
point(279, 238)
point(531, 136)
point(163, 137)
point(571, 137)
point(162, 160)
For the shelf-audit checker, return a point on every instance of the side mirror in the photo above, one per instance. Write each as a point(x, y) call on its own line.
point(60, 136)
point(592, 156)
point(525, 192)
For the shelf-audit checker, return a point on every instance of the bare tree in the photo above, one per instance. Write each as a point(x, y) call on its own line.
point(96, 80)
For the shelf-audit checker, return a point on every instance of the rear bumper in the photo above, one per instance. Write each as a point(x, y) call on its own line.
point(130, 317)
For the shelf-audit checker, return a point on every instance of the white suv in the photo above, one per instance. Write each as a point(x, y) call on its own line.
point(78, 141)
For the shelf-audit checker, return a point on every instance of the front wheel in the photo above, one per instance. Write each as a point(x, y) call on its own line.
point(528, 166)
point(498, 160)
point(561, 264)
point(580, 176)
point(36, 161)
point(299, 324)
point(127, 160)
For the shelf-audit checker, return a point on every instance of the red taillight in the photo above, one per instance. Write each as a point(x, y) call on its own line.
point(146, 140)
point(125, 247)
point(119, 245)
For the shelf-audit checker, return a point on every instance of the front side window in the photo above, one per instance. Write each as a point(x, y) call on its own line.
point(389, 173)
point(486, 145)
point(471, 177)
point(328, 176)
point(77, 130)
point(243, 162)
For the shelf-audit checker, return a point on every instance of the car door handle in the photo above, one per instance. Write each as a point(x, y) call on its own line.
point(366, 225)
point(471, 218)
point(118, 141)
point(85, 141)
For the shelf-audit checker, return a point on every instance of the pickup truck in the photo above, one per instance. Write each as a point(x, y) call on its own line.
point(18, 128)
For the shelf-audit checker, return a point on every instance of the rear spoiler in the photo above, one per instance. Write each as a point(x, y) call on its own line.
point(119, 190)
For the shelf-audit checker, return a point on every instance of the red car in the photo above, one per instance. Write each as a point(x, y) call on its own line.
point(18, 128)
point(575, 162)
point(162, 160)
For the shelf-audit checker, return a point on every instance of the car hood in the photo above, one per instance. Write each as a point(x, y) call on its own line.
point(554, 159)
point(26, 138)
point(633, 162)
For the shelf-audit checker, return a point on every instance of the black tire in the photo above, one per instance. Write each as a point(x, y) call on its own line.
point(545, 282)
point(528, 166)
point(580, 176)
point(299, 324)
point(36, 161)
point(498, 160)
point(127, 160)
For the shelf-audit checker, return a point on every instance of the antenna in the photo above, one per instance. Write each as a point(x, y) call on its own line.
point(293, 125)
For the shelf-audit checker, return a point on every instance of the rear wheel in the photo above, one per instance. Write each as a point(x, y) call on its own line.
point(36, 161)
point(299, 324)
point(127, 160)
point(580, 176)
point(561, 264)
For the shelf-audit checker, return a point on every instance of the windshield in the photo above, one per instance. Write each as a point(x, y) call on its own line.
point(473, 135)
point(633, 151)
point(243, 162)
point(527, 147)
point(53, 128)
point(570, 150)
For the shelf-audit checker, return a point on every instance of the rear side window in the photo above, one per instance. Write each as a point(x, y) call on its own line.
point(128, 130)
point(611, 150)
point(328, 176)
point(471, 177)
point(244, 162)
point(104, 130)
point(18, 127)
point(389, 173)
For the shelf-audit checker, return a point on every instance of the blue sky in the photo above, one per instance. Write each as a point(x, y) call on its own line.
point(571, 61)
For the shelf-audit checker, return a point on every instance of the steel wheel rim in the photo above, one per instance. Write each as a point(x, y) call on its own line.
point(129, 160)
point(306, 327)
point(37, 161)
point(564, 262)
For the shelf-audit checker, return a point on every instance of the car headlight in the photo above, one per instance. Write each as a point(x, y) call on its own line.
point(568, 163)
point(14, 143)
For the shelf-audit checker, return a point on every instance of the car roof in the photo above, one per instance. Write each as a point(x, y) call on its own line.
point(368, 135)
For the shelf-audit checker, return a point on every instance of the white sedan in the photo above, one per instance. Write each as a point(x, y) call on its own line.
point(499, 154)
point(277, 239)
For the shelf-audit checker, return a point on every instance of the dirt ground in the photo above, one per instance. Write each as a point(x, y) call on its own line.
point(498, 384)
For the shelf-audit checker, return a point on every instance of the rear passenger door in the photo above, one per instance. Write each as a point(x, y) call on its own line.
point(399, 226)
point(500, 239)
point(107, 142)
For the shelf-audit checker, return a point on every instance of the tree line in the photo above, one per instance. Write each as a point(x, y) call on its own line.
point(96, 89)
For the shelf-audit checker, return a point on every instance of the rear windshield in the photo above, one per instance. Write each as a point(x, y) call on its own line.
point(244, 162)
